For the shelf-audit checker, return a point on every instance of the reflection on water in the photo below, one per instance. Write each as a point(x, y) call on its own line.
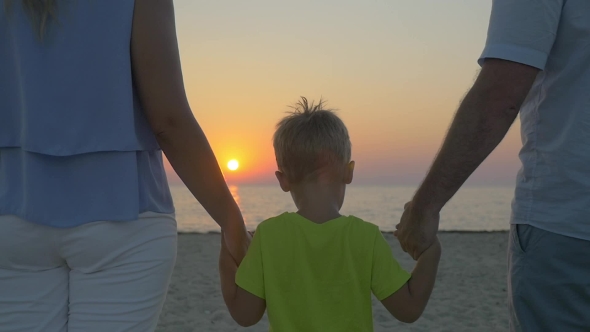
point(235, 194)
point(473, 209)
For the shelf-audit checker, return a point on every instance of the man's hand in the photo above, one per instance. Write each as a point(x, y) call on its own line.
point(237, 241)
point(417, 230)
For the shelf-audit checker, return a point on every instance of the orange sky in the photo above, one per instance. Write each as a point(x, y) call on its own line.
point(395, 70)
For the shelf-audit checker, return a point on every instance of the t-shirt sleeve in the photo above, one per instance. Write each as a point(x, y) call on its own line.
point(522, 31)
point(387, 276)
point(250, 275)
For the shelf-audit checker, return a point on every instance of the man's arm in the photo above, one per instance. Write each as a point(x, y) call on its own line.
point(409, 302)
point(245, 308)
point(483, 118)
point(481, 122)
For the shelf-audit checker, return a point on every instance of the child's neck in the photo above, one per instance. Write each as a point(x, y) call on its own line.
point(318, 202)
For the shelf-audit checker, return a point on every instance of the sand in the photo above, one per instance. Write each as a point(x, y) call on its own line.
point(470, 291)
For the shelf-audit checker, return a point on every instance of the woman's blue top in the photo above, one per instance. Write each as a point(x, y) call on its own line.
point(75, 146)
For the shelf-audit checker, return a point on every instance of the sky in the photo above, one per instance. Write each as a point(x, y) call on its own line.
point(395, 71)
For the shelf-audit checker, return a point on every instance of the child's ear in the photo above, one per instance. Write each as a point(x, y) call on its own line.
point(283, 181)
point(349, 172)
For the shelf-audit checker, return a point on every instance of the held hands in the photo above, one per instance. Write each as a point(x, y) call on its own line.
point(227, 272)
point(417, 230)
point(236, 241)
point(227, 263)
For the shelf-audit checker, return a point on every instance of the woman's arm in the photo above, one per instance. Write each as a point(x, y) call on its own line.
point(158, 77)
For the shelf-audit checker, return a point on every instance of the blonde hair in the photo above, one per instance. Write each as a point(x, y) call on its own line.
point(41, 13)
point(309, 139)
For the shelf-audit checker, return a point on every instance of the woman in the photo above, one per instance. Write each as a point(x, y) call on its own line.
point(90, 91)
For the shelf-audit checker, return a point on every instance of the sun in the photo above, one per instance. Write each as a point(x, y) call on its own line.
point(233, 165)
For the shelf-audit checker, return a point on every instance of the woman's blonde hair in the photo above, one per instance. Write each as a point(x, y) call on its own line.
point(41, 12)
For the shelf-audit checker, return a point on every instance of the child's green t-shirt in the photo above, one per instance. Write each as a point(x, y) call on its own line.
point(319, 277)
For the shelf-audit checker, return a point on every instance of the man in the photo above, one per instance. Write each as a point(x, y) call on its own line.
point(536, 62)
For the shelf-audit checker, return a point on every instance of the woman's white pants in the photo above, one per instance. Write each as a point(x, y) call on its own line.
point(101, 276)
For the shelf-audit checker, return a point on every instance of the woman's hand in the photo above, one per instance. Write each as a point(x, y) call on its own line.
point(237, 240)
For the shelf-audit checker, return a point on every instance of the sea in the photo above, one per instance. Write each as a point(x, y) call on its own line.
point(474, 208)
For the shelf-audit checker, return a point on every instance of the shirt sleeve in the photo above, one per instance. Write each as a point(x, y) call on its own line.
point(387, 276)
point(250, 275)
point(522, 31)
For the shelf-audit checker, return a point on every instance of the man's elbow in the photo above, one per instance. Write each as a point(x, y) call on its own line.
point(504, 106)
point(504, 85)
point(495, 102)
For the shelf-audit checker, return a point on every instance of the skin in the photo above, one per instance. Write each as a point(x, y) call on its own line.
point(245, 308)
point(482, 121)
point(320, 201)
point(158, 77)
point(409, 302)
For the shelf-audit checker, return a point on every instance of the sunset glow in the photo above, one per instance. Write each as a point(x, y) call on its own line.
point(233, 165)
point(396, 91)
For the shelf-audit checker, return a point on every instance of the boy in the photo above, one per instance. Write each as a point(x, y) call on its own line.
point(314, 270)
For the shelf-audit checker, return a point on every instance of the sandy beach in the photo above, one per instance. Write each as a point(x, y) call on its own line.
point(470, 294)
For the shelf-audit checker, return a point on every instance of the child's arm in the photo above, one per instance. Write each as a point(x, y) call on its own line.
point(245, 308)
point(408, 303)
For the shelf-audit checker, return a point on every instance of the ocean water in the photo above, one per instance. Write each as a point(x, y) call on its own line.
point(472, 209)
